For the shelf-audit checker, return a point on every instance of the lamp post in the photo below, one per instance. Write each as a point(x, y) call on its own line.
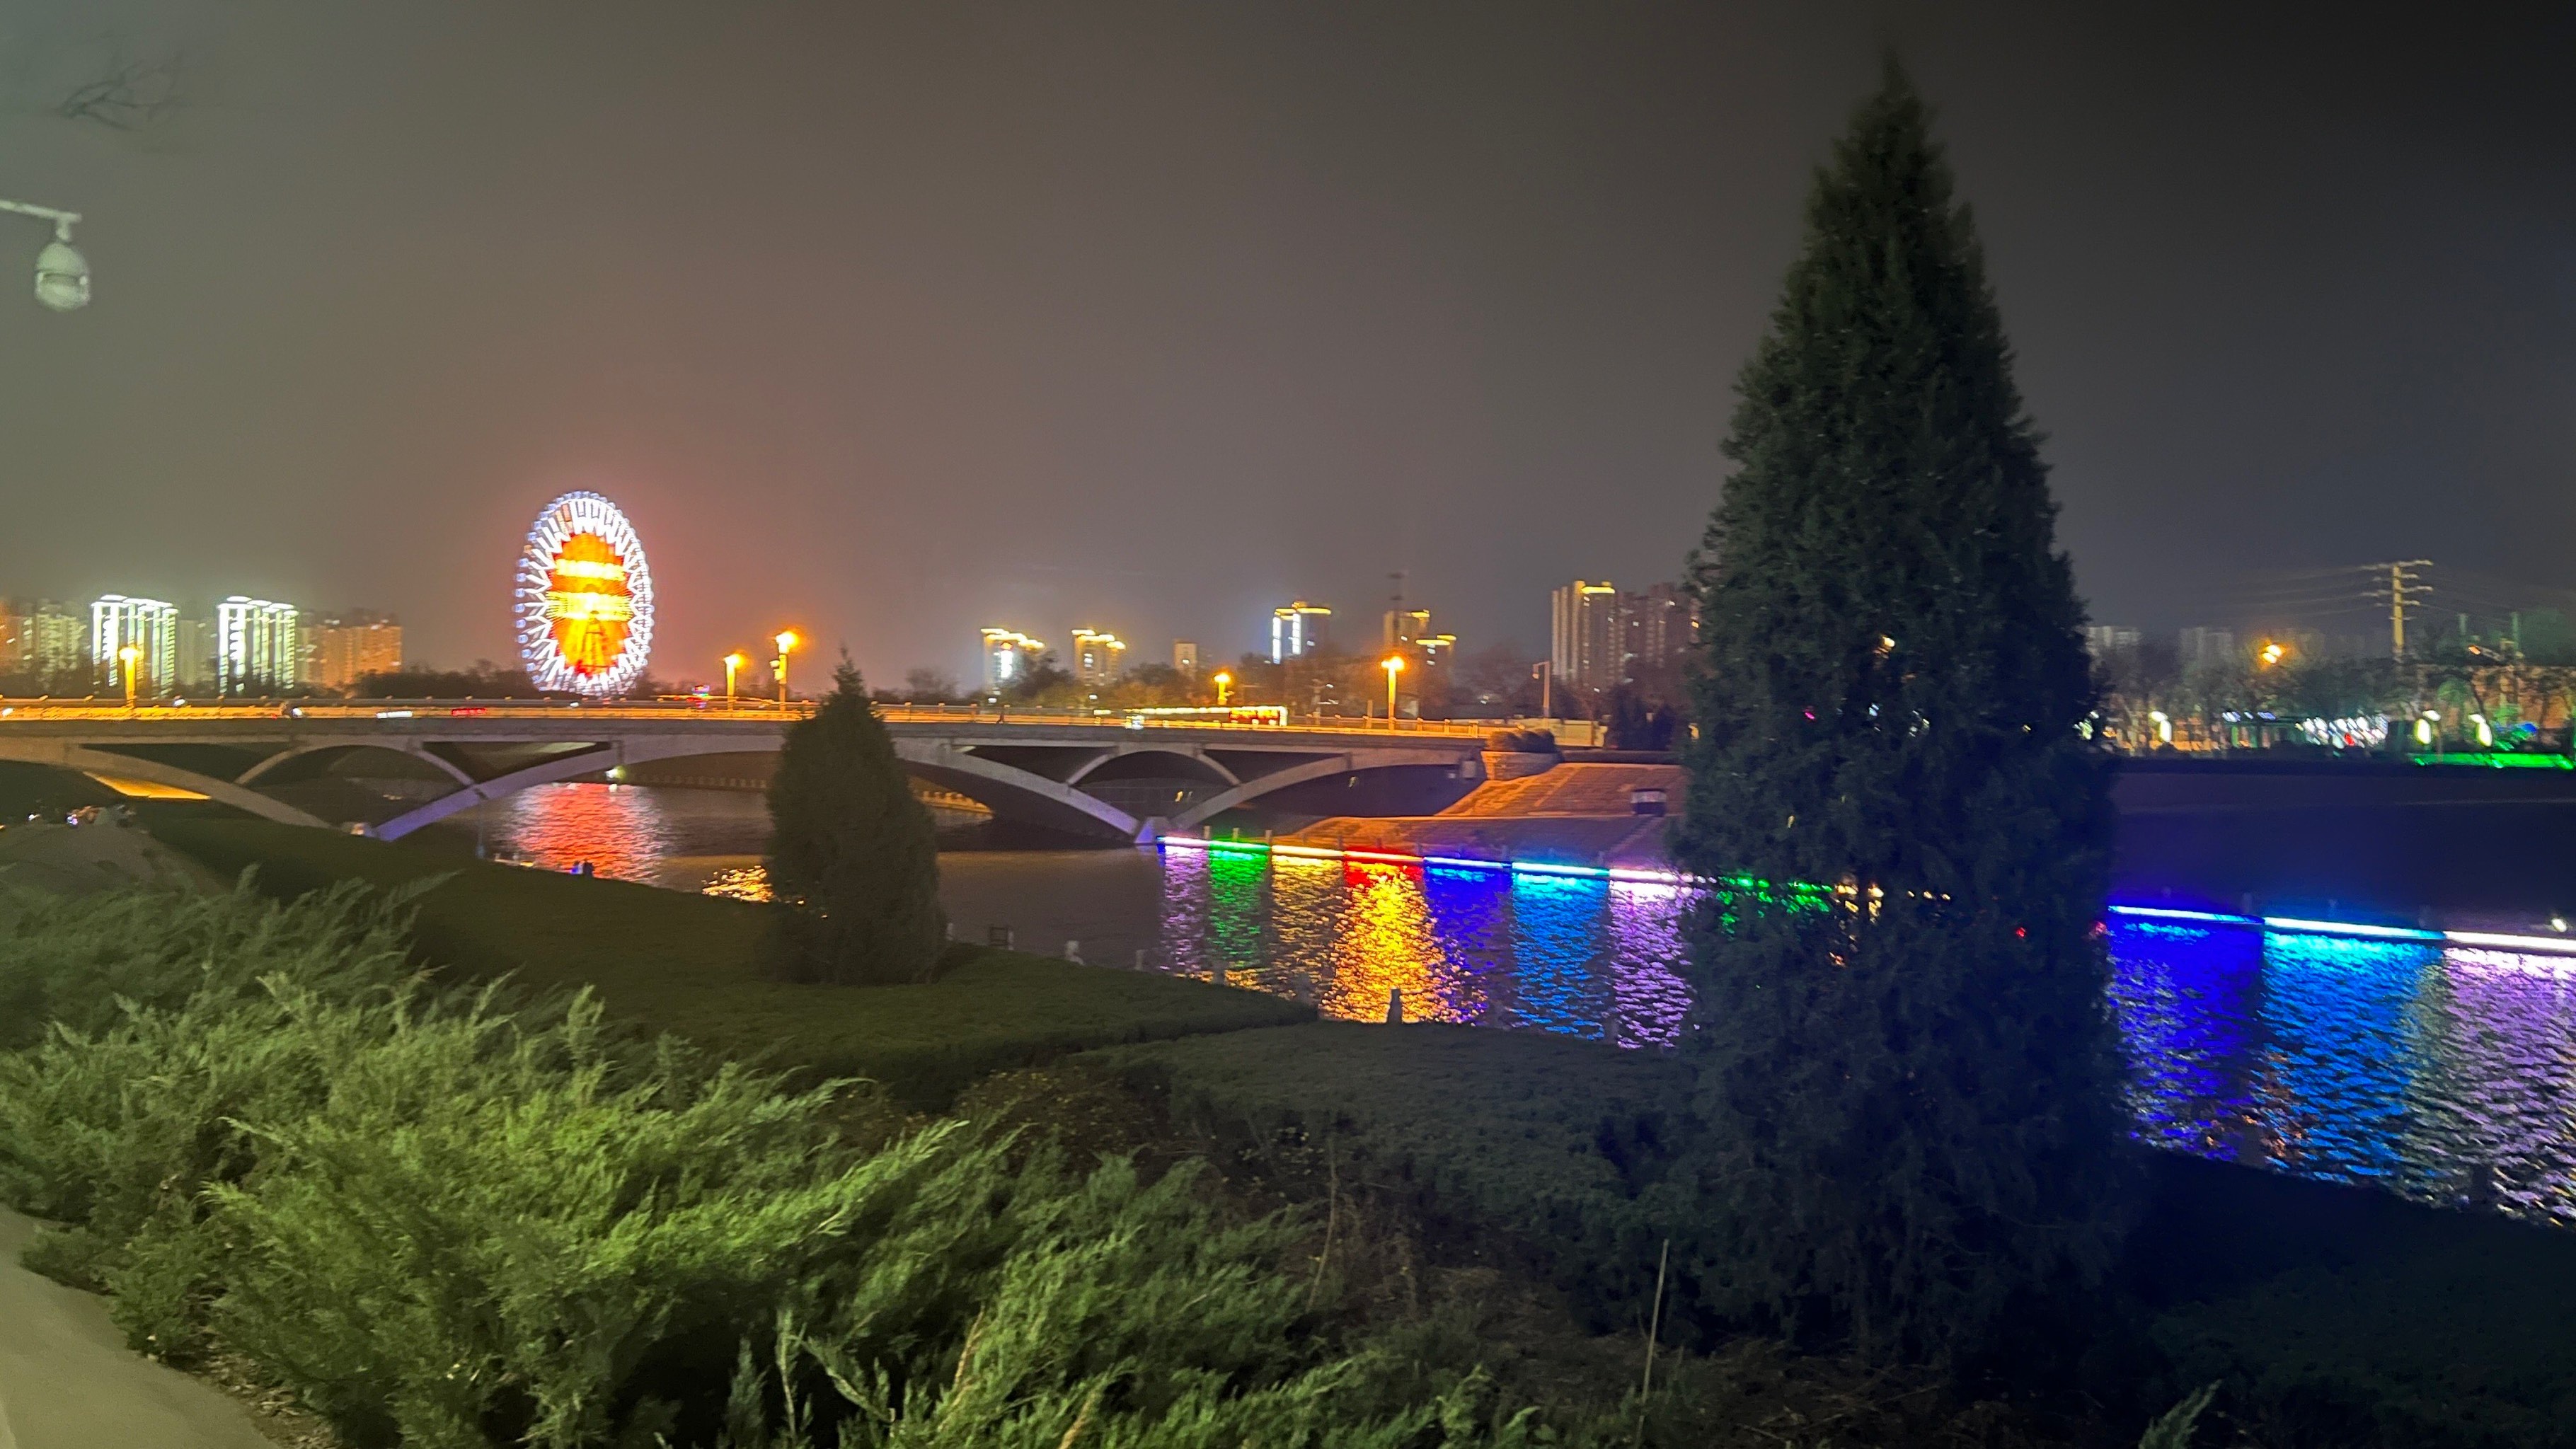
point(1393, 665)
point(1223, 682)
point(127, 657)
point(733, 665)
point(62, 273)
point(786, 646)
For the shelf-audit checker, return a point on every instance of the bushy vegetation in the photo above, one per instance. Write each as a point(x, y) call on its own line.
point(853, 861)
point(456, 1216)
point(1910, 1098)
point(689, 965)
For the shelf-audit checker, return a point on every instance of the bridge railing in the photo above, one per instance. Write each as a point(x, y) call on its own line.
point(12, 710)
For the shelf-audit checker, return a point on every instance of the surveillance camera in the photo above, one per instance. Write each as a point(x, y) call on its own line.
point(62, 277)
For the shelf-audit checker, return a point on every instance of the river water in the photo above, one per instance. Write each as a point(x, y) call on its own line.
point(2443, 1073)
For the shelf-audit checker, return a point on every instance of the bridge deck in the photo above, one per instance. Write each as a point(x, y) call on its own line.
point(1033, 765)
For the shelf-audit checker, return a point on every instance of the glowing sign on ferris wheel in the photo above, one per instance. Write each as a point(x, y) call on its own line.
point(585, 598)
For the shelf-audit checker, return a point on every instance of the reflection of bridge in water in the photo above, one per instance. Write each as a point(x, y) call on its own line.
point(1124, 777)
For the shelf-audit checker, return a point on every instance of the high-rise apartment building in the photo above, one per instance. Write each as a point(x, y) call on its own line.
point(342, 649)
point(1096, 656)
point(196, 653)
point(1299, 629)
point(2205, 648)
point(1408, 631)
point(1657, 631)
point(1600, 638)
point(258, 647)
point(1585, 637)
point(1185, 658)
point(41, 643)
point(1009, 655)
point(2104, 640)
point(150, 627)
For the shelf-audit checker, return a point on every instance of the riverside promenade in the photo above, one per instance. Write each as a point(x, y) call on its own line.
point(67, 1380)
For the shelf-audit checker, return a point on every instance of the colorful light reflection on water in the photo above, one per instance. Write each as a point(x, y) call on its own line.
point(621, 831)
point(2446, 1074)
point(1589, 958)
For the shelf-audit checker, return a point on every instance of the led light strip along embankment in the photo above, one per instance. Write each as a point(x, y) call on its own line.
point(2491, 940)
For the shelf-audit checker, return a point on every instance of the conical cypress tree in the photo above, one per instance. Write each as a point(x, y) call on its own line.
point(1911, 1087)
point(852, 863)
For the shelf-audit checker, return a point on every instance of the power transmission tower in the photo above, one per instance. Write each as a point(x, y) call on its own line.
point(2403, 589)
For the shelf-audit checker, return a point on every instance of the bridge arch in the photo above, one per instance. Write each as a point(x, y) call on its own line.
point(1045, 802)
point(1349, 762)
point(1031, 796)
point(409, 750)
point(1195, 761)
point(70, 756)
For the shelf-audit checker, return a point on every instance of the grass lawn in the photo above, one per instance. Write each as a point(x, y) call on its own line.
point(1539, 1146)
point(671, 961)
point(2335, 1316)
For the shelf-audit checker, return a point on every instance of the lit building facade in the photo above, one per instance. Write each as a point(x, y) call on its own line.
point(1408, 632)
point(1096, 656)
point(41, 642)
point(196, 653)
point(259, 647)
point(150, 627)
point(1299, 629)
point(1009, 655)
point(1657, 631)
point(1584, 635)
point(1185, 658)
point(2206, 648)
point(2104, 640)
point(342, 649)
point(1600, 638)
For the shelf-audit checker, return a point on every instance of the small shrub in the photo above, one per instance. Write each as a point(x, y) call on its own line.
point(1123, 1313)
point(853, 865)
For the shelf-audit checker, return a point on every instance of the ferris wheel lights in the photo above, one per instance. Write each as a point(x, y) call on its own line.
point(585, 602)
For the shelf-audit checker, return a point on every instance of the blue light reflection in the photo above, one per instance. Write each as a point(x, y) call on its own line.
point(2446, 1073)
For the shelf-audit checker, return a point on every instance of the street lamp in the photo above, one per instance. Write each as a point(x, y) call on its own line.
point(127, 656)
point(733, 665)
point(1393, 665)
point(2272, 653)
point(62, 273)
point(786, 647)
point(1223, 682)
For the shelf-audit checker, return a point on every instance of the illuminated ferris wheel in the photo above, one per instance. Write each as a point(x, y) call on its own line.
point(585, 601)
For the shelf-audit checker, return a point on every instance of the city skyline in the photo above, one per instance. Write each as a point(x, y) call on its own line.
point(1044, 329)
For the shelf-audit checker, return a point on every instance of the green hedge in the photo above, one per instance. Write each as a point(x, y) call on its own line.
point(681, 963)
point(448, 1216)
point(1546, 1148)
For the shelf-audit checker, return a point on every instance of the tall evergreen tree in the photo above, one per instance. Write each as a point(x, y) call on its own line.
point(1912, 1089)
point(853, 866)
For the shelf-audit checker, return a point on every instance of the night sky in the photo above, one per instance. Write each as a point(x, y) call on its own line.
point(890, 322)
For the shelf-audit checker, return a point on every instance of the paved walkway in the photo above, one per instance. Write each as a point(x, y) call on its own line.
point(67, 1381)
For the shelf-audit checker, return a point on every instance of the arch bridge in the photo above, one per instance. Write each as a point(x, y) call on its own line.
point(1130, 777)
